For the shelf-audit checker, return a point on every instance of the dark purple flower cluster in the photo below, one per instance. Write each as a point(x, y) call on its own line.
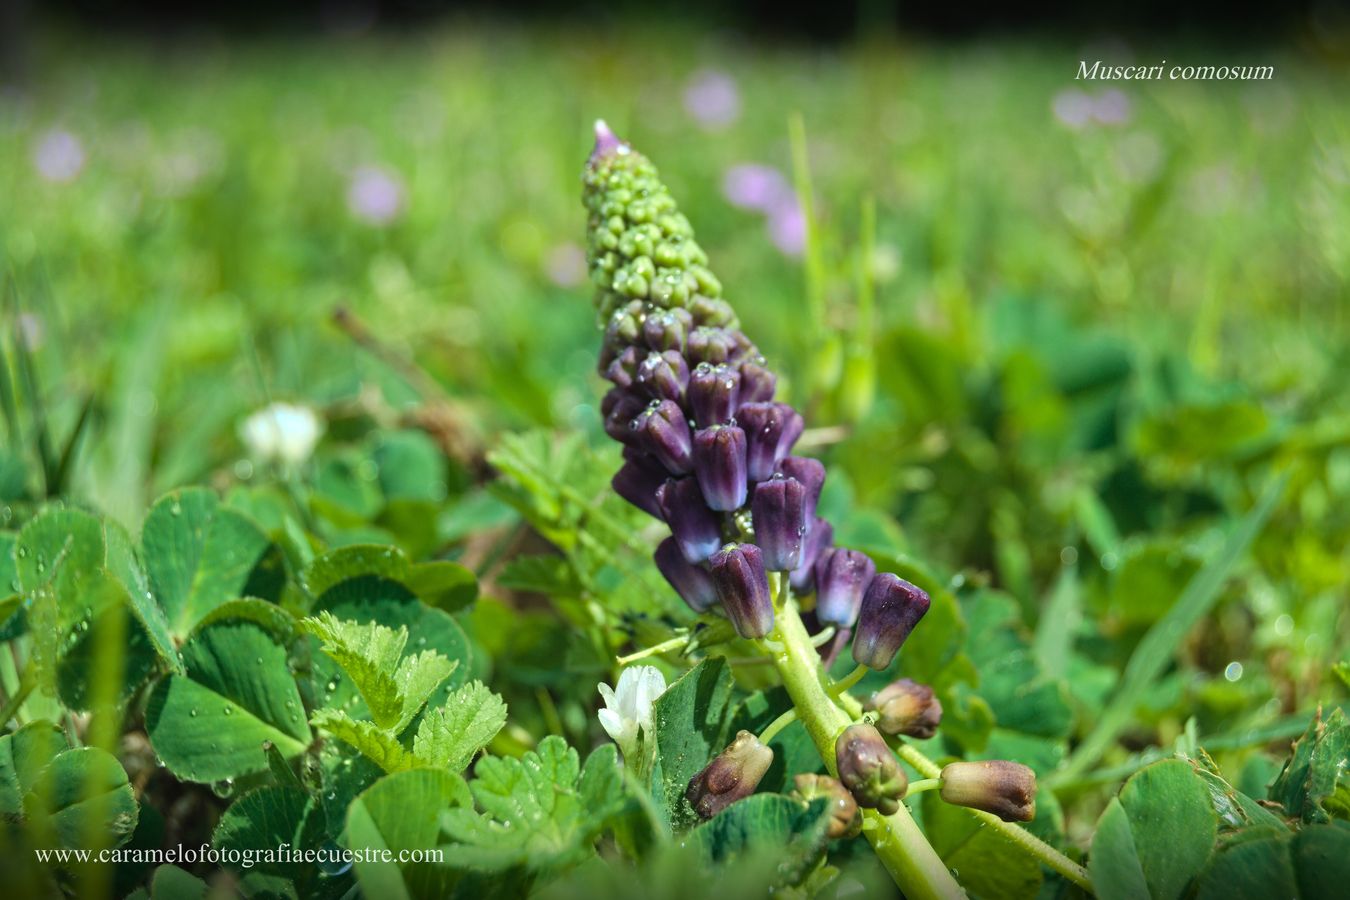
point(707, 449)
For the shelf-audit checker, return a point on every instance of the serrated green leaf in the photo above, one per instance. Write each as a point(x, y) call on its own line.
point(393, 686)
point(452, 733)
point(236, 693)
point(198, 554)
point(1313, 864)
point(541, 813)
point(1318, 768)
point(1163, 825)
point(375, 743)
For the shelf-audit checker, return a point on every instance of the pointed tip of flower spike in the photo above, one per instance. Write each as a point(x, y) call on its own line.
point(607, 142)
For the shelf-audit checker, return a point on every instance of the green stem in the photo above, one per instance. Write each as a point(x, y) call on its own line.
point(847, 681)
point(899, 844)
point(778, 725)
point(674, 643)
point(927, 784)
point(21, 693)
point(1023, 839)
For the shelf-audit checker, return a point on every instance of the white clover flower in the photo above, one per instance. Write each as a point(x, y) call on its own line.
point(282, 432)
point(628, 709)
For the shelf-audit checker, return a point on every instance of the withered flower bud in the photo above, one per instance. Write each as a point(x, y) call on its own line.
point(869, 769)
point(845, 817)
point(1006, 789)
point(732, 776)
point(907, 707)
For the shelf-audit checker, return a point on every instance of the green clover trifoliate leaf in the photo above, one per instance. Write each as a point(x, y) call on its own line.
point(394, 688)
point(199, 554)
point(402, 812)
point(450, 735)
point(1156, 837)
point(379, 745)
point(1315, 783)
point(542, 812)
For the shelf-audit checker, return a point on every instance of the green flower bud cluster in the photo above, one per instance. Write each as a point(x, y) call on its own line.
point(641, 249)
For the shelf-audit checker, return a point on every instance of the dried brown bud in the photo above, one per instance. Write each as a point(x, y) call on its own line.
point(845, 817)
point(907, 707)
point(734, 774)
point(1006, 789)
point(869, 769)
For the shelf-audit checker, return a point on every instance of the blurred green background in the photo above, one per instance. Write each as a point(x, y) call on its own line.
point(1069, 330)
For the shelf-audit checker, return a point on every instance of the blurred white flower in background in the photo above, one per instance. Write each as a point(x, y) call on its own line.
point(31, 330)
point(1073, 108)
point(628, 709)
point(1077, 109)
point(712, 98)
point(282, 432)
point(375, 195)
point(59, 156)
point(1113, 107)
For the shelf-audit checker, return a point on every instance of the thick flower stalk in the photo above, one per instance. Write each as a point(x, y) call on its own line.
point(709, 450)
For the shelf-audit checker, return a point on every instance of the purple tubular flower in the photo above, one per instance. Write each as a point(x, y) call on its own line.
point(719, 465)
point(694, 526)
point(842, 577)
point(890, 610)
point(869, 769)
point(757, 383)
point(714, 394)
point(691, 582)
point(623, 369)
point(779, 510)
point(664, 432)
point(663, 375)
point(770, 431)
point(1006, 789)
point(907, 707)
point(637, 482)
point(743, 587)
point(811, 473)
point(819, 537)
point(667, 329)
point(619, 408)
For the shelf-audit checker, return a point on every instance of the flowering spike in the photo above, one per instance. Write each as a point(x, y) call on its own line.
point(694, 526)
point(779, 509)
point(743, 587)
point(732, 775)
point(1006, 789)
point(719, 464)
point(842, 577)
point(907, 707)
point(691, 582)
point(664, 432)
point(890, 610)
point(620, 407)
point(667, 330)
point(664, 376)
point(869, 769)
point(757, 383)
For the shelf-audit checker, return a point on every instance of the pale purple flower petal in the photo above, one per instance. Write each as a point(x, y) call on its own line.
point(375, 195)
point(712, 99)
point(59, 156)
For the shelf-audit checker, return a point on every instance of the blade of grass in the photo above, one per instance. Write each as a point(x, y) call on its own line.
point(814, 256)
point(1159, 645)
point(1059, 620)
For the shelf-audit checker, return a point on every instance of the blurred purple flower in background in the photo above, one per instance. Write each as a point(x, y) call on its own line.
point(712, 99)
point(1112, 108)
point(566, 265)
point(59, 156)
point(1073, 108)
point(375, 195)
point(764, 189)
point(787, 227)
point(755, 186)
